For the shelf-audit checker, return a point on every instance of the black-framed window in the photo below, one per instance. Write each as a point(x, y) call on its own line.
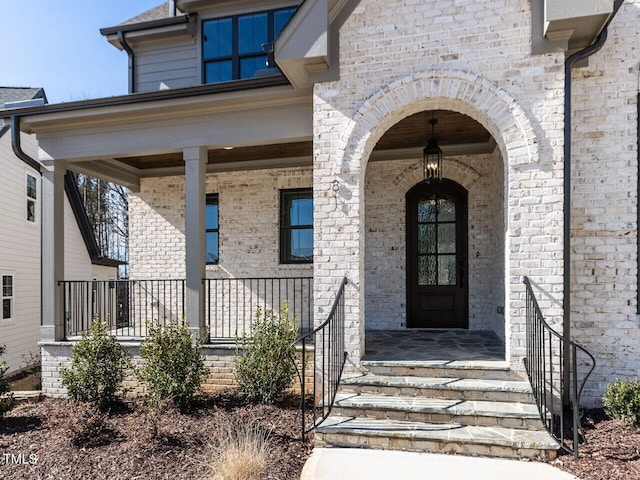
point(212, 227)
point(232, 47)
point(296, 226)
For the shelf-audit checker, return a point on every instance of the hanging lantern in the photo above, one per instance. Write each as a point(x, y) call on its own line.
point(432, 156)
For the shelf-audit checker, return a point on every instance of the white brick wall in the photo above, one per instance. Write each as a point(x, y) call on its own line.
point(398, 58)
point(604, 226)
point(248, 218)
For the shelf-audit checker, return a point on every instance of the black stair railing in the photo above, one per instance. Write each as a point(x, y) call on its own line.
point(328, 363)
point(544, 362)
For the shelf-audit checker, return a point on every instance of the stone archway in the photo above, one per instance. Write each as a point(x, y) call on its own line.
point(346, 155)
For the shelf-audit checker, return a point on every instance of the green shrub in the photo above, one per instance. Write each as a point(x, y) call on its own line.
point(621, 400)
point(98, 364)
point(173, 367)
point(6, 398)
point(264, 367)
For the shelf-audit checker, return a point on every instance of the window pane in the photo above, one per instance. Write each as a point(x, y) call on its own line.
point(301, 212)
point(280, 19)
point(31, 211)
point(447, 238)
point(253, 31)
point(446, 270)
point(217, 38)
point(301, 244)
point(31, 187)
point(427, 238)
point(212, 247)
point(6, 308)
point(218, 71)
point(7, 286)
point(427, 270)
point(446, 210)
point(427, 210)
point(248, 66)
point(211, 216)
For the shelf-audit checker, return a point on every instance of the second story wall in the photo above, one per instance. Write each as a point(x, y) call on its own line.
point(166, 64)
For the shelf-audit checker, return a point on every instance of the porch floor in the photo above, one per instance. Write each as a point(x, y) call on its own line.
point(426, 345)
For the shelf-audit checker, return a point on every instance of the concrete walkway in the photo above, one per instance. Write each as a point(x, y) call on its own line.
point(365, 464)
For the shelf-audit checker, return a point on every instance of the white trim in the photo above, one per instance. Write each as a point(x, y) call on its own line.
point(28, 198)
point(11, 296)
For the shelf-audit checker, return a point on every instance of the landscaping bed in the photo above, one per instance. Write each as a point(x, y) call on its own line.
point(132, 443)
point(612, 451)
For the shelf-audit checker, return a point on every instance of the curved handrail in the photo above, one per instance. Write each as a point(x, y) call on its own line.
point(335, 324)
point(540, 362)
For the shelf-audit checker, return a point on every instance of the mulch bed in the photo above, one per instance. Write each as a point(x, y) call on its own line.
point(134, 444)
point(612, 451)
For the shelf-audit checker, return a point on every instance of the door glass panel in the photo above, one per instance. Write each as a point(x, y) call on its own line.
point(447, 238)
point(427, 270)
point(446, 210)
point(427, 238)
point(446, 269)
point(427, 210)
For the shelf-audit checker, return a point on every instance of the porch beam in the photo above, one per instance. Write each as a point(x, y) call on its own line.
point(195, 160)
point(52, 217)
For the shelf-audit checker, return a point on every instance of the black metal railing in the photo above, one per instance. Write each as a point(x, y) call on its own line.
point(328, 363)
point(126, 305)
point(231, 303)
point(545, 365)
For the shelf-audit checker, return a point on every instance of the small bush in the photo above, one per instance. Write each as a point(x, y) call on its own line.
point(98, 364)
point(242, 453)
point(6, 398)
point(621, 400)
point(173, 367)
point(263, 366)
point(83, 423)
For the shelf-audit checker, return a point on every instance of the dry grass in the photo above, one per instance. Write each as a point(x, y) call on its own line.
point(242, 453)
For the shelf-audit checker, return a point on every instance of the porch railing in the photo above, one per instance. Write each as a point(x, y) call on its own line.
point(126, 305)
point(232, 303)
point(546, 350)
point(329, 359)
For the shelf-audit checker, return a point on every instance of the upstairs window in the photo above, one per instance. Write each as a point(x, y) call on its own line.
point(232, 47)
point(32, 198)
point(296, 226)
point(212, 227)
point(7, 297)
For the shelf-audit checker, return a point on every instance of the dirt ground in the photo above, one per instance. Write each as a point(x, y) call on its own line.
point(612, 451)
point(45, 440)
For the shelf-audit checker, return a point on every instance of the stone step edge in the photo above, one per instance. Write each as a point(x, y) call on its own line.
point(411, 430)
point(345, 400)
point(514, 386)
point(490, 365)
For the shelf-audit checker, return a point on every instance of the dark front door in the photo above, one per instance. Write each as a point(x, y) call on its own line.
point(437, 256)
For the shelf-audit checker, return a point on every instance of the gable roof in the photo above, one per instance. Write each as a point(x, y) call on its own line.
point(160, 12)
point(18, 94)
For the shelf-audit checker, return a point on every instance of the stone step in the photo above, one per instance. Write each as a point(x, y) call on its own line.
point(442, 388)
point(488, 370)
point(433, 410)
point(440, 438)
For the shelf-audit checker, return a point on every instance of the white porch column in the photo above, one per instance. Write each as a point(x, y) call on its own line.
point(195, 159)
point(52, 217)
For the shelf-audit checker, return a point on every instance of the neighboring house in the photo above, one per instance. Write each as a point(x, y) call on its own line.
point(280, 139)
point(20, 243)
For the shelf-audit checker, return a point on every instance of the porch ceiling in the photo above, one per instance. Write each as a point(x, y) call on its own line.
point(453, 130)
